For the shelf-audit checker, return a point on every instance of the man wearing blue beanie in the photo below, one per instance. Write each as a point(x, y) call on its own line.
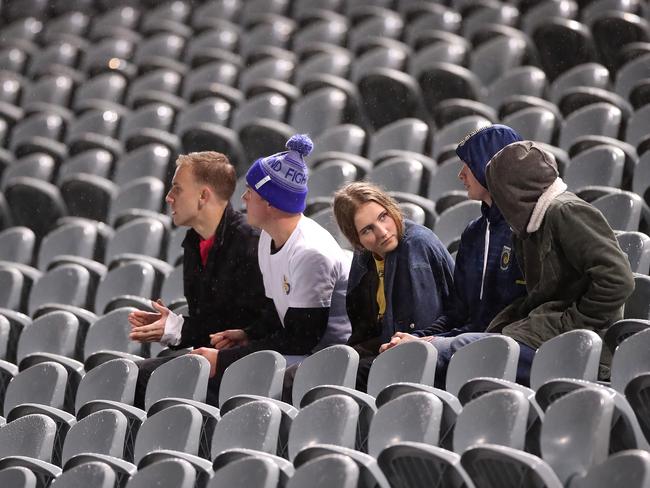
point(487, 277)
point(305, 271)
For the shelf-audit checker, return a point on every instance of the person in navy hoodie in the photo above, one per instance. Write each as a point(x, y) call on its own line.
point(487, 277)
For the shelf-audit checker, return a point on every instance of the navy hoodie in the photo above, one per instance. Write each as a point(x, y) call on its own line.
point(484, 286)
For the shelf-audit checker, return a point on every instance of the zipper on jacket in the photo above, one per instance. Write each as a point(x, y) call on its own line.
point(485, 257)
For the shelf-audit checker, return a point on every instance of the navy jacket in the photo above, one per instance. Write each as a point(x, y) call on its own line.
point(503, 280)
point(418, 285)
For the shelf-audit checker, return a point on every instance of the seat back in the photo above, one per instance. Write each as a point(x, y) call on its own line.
point(113, 380)
point(168, 473)
point(576, 432)
point(497, 417)
point(630, 360)
point(102, 432)
point(55, 332)
point(413, 417)
point(260, 373)
point(413, 362)
point(329, 420)
point(494, 356)
point(177, 428)
point(580, 352)
point(182, 377)
point(326, 471)
point(32, 436)
point(254, 425)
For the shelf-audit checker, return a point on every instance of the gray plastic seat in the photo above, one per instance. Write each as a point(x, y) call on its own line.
point(534, 123)
point(144, 236)
point(329, 177)
point(491, 59)
point(177, 428)
point(413, 362)
point(334, 365)
point(13, 289)
point(498, 417)
point(17, 476)
point(67, 284)
point(43, 383)
point(637, 304)
point(452, 222)
point(636, 126)
point(600, 165)
point(522, 80)
point(636, 246)
point(182, 377)
point(110, 332)
point(631, 72)
point(102, 432)
point(575, 436)
point(100, 89)
point(254, 425)
point(329, 420)
point(113, 380)
point(5, 331)
point(344, 138)
point(622, 210)
point(630, 468)
point(55, 332)
point(148, 160)
point(77, 238)
point(40, 166)
point(170, 473)
point(492, 356)
point(397, 174)
point(602, 119)
point(95, 129)
point(94, 473)
point(151, 123)
point(318, 110)
point(31, 436)
point(134, 279)
point(587, 74)
point(580, 350)
point(630, 360)
point(419, 465)
point(35, 204)
point(247, 472)
point(404, 134)
point(17, 244)
point(326, 471)
point(144, 193)
point(621, 330)
point(413, 417)
point(260, 373)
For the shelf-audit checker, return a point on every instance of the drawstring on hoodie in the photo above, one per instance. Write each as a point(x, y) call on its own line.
point(485, 257)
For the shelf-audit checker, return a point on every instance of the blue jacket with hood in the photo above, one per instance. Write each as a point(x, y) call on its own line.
point(487, 277)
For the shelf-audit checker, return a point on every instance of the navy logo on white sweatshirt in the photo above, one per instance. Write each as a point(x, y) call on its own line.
point(506, 255)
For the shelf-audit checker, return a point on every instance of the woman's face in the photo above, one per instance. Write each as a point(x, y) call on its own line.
point(376, 229)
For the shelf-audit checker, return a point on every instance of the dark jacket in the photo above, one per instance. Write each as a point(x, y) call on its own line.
point(418, 284)
point(228, 293)
point(502, 280)
point(577, 276)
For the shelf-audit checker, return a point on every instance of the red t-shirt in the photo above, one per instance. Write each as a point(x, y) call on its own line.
point(204, 248)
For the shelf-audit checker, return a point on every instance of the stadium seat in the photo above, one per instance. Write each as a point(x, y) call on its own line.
point(453, 220)
point(162, 50)
point(108, 336)
point(104, 90)
point(170, 473)
point(493, 356)
point(622, 210)
point(190, 373)
point(132, 283)
point(39, 166)
point(18, 476)
point(600, 165)
point(43, 383)
point(35, 204)
point(631, 468)
point(626, 26)
point(94, 473)
point(587, 74)
point(102, 432)
point(113, 380)
point(636, 245)
point(17, 244)
point(30, 436)
point(251, 471)
point(393, 422)
point(67, 284)
point(329, 420)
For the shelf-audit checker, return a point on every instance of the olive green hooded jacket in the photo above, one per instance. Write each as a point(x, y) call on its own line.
point(577, 276)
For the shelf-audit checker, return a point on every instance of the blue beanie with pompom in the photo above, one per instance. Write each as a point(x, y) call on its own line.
point(281, 179)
